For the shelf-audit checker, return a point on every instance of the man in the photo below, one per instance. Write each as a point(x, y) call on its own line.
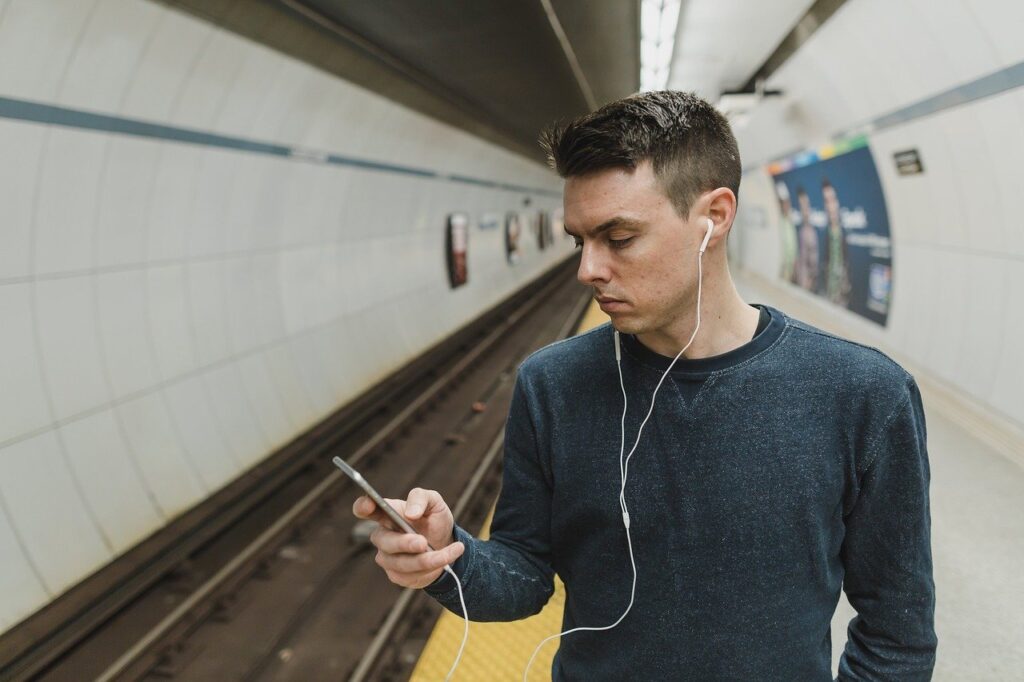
point(777, 460)
point(787, 235)
point(837, 260)
point(807, 261)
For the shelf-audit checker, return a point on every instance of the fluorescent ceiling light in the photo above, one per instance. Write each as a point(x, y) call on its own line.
point(658, 21)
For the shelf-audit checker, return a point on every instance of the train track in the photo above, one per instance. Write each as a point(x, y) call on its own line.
point(247, 593)
point(400, 639)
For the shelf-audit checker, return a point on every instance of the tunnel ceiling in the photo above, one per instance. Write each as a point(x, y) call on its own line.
point(501, 60)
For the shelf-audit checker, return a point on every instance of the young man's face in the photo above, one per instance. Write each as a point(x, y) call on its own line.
point(636, 248)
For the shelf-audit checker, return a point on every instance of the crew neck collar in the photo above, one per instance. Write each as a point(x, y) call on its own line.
point(715, 363)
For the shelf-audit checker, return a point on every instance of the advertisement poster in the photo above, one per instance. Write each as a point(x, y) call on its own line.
point(834, 227)
point(456, 240)
point(545, 237)
point(513, 230)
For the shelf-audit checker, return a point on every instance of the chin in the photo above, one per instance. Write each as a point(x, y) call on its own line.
point(624, 325)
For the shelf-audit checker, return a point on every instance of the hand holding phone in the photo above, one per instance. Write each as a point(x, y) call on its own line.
point(415, 539)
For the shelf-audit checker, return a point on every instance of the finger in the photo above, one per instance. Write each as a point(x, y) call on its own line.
point(422, 502)
point(366, 508)
point(385, 520)
point(392, 542)
point(363, 507)
point(425, 561)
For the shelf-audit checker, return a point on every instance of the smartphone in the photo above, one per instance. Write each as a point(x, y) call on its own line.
point(375, 496)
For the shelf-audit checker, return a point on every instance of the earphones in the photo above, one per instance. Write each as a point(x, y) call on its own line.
point(624, 465)
point(623, 474)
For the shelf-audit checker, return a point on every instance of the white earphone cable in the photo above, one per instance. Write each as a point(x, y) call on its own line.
point(624, 465)
point(465, 615)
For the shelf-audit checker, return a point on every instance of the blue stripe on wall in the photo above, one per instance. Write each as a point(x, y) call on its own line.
point(49, 114)
point(993, 84)
point(1000, 81)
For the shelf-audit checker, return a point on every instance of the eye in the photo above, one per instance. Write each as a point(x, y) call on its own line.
point(620, 243)
point(577, 243)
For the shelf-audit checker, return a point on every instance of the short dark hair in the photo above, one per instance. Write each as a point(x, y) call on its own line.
point(687, 140)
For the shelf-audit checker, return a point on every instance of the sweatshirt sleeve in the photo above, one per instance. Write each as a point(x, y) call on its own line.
point(887, 555)
point(509, 576)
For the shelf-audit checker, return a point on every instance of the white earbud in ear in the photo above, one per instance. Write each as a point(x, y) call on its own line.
point(707, 236)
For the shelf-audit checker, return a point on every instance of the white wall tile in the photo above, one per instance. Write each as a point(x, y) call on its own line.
point(171, 478)
point(249, 91)
point(189, 406)
point(169, 322)
point(955, 34)
point(37, 40)
point(66, 197)
point(22, 141)
point(982, 323)
point(235, 414)
point(1002, 23)
point(49, 515)
point(70, 345)
point(126, 188)
point(294, 399)
point(22, 589)
point(282, 97)
point(1006, 393)
point(208, 305)
point(165, 63)
point(240, 207)
point(171, 205)
point(207, 86)
point(265, 401)
point(244, 330)
point(266, 292)
point(125, 332)
point(311, 371)
point(111, 481)
point(205, 234)
point(23, 405)
point(107, 54)
point(1000, 122)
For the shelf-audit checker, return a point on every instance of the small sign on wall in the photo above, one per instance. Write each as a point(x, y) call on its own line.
point(908, 162)
point(513, 229)
point(456, 241)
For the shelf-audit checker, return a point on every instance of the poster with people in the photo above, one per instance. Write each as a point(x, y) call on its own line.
point(513, 230)
point(834, 227)
point(457, 242)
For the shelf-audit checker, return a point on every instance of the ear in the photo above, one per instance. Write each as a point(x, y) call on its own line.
point(721, 206)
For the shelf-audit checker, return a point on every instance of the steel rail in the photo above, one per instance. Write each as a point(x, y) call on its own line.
point(368, 663)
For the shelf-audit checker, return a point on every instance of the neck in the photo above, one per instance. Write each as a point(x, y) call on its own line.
point(726, 322)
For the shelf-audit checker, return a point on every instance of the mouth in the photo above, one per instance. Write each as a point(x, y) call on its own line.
point(609, 304)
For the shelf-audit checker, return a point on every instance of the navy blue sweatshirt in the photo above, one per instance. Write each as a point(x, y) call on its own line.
point(767, 479)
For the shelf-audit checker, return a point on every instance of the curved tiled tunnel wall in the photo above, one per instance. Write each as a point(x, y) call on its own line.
point(195, 267)
point(943, 78)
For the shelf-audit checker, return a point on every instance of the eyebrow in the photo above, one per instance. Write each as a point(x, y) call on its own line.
point(617, 221)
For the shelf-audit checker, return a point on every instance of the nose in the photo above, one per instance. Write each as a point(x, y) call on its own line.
point(593, 267)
